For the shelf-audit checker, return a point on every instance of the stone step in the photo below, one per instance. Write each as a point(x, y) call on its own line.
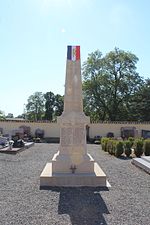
point(48, 179)
point(143, 163)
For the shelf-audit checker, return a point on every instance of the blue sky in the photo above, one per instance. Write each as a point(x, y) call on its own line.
point(34, 35)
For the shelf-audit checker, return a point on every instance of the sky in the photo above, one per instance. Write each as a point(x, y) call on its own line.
point(34, 35)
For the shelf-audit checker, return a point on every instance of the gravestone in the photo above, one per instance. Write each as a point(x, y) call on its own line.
point(72, 165)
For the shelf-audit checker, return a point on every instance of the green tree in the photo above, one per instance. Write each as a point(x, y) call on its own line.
point(22, 116)
point(140, 103)
point(10, 115)
point(49, 105)
point(59, 105)
point(35, 106)
point(108, 84)
point(53, 106)
point(2, 115)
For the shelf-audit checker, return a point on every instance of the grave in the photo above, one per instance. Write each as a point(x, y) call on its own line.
point(143, 163)
point(72, 165)
point(3, 141)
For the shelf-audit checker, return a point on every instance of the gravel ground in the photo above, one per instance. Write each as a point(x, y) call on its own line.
point(127, 202)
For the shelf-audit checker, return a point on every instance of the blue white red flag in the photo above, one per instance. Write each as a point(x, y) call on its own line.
point(73, 53)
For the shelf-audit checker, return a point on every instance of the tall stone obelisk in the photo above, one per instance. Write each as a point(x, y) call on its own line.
point(72, 165)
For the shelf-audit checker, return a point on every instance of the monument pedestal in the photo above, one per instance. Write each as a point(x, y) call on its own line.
point(95, 179)
point(72, 166)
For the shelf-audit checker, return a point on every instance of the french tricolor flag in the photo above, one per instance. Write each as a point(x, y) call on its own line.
point(73, 53)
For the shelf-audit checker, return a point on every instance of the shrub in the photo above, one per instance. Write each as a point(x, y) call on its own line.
point(146, 147)
point(119, 148)
point(127, 148)
point(138, 147)
point(131, 139)
point(104, 142)
point(111, 146)
point(114, 146)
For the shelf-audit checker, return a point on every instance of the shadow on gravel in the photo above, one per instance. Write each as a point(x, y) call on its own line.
point(85, 206)
point(125, 157)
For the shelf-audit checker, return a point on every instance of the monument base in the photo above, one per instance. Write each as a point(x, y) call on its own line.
point(96, 179)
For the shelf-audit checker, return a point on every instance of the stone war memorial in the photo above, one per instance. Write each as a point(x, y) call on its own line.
point(72, 166)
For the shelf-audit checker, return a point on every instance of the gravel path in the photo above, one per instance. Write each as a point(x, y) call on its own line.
point(127, 202)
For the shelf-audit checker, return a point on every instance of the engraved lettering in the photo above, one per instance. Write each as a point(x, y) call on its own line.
point(79, 136)
point(66, 136)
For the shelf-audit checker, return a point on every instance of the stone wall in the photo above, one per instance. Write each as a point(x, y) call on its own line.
point(103, 128)
point(52, 129)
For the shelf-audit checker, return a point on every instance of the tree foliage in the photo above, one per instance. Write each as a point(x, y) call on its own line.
point(59, 105)
point(49, 105)
point(144, 100)
point(140, 103)
point(35, 106)
point(53, 106)
point(43, 106)
point(2, 115)
point(109, 83)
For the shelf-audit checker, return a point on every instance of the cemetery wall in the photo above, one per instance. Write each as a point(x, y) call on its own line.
point(103, 128)
point(52, 129)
